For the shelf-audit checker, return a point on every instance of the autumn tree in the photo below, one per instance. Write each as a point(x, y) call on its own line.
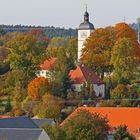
point(120, 92)
point(97, 50)
point(35, 88)
point(123, 30)
point(15, 86)
point(124, 60)
point(42, 39)
point(50, 107)
point(86, 126)
point(25, 54)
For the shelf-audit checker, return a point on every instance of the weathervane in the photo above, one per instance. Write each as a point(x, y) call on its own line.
point(86, 7)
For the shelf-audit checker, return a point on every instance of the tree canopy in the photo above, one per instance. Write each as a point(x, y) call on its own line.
point(86, 126)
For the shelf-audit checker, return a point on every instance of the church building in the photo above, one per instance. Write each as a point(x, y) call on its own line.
point(84, 31)
point(82, 74)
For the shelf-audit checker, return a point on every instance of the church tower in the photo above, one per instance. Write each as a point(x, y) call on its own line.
point(84, 31)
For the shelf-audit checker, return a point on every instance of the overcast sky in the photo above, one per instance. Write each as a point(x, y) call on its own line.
point(67, 13)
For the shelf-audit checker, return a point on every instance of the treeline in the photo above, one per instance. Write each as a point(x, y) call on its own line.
point(50, 31)
point(20, 55)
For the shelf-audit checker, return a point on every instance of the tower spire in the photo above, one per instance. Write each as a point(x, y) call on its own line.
point(86, 7)
point(86, 15)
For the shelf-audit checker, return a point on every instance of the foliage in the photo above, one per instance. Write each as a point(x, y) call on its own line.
point(122, 134)
point(72, 49)
point(17, 112)
point(86, 126)
point(58, 42)
point(25, 54)
point(124, 30)
point(13, 85)
point(8, 106)
point(120, 92)
point(124, 59)
point(62, 82)
point(35, 88)
point(55, 132)
point(107, 103)
point(2, 32)
point(50, 107)
point(3, 53)
point(97, 50)
point(125, 103)
point(42, 39)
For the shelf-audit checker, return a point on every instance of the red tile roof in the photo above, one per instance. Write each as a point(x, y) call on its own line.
point(82, 74)
point(48, 64)
point(1, 117)
point(116, 116)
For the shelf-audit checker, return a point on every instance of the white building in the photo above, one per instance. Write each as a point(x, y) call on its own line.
point(84, 31)
point(82, 75)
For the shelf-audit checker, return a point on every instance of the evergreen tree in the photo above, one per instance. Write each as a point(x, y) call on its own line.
point(122, 134)
point(8, 106)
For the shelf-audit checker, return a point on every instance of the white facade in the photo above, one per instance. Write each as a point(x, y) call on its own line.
point(42, 73)
point(99, 89)
point(46, 74)
point(82, 36)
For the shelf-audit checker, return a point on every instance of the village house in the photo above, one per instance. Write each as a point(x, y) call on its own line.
point(82, 74)
point(116, 116)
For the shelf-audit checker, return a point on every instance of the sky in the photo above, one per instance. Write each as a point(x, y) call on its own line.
point(68, 13)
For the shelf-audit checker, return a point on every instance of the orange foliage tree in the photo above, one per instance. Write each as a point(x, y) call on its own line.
point(124, 30)
point(42, 39)
point(97, 50)
point(37, 87)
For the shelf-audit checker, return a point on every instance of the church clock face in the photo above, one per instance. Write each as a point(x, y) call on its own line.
point(83, 34)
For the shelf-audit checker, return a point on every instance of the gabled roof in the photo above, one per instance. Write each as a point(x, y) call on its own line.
point(116, 116)
point(48, 64)
point(82, 74)
point(17, 122)
point(22, 134)
point(40, 122)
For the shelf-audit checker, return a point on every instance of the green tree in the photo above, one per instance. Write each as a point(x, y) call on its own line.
point(2, 32)
point(55, 132)
point(72, 49)
point(62, 82)
point(25, 54)
point(120, 92)
point(50, 107)
point(122, 134)
point(58, 42)
point(124, 60)
point(8, 106)
point(86, 126)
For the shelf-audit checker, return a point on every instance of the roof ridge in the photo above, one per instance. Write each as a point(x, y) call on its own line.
point(33, 122)
point(23, 128)
point(82, 72)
